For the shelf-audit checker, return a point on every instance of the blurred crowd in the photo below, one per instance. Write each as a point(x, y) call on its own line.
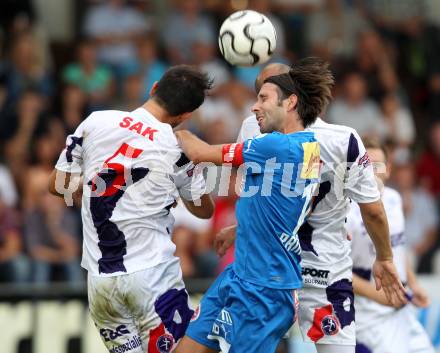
point(384, 53)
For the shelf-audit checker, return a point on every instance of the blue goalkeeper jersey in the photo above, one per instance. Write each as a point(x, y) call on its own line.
point(281, 175)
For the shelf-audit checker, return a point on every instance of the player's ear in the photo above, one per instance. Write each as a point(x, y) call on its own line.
point(292, 102)
point(153, 88)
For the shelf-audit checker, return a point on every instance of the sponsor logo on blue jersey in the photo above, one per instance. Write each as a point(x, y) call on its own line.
point(291, 243)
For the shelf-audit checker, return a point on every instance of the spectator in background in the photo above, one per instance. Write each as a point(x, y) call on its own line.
point(390, 15)
point(11, 10)
point(74, 108)
point(26, 113)
point(3, 107)
point(421, 216)
point(398, 120)
point(8, 190)
point(294, 14)
point(94, 80)
point(147, 63)
point(265, 7)
point(26, 70)
point(14, 266)
point(115, 26)
point(434, 96)
point(182, 27)
point(428, 165)
point(433, 64)
point(132, 92)
point(19, 17)
point(22, 127)
point(375, 60)
point(354, 109)
point(50, 231)
point(45, 145)
point(333, 30)
point(205, 58)
point(417, 44)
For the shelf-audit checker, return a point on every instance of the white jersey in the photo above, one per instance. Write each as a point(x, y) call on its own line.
point(346, 173)
point(363, 253)
point(133, 170)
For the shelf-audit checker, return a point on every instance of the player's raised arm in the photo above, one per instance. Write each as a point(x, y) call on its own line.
point(361, 187)
point(65, 180)
point(199, 151)
point(384, 271)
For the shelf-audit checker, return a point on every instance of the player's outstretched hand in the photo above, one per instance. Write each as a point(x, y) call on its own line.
point(381, 298)
point(224, 240)
point(386, 277)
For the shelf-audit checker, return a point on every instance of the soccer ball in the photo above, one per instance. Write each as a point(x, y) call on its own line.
point(247, 38)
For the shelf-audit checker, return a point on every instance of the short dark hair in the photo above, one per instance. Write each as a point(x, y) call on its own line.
point(182, 89)
point(311, 80)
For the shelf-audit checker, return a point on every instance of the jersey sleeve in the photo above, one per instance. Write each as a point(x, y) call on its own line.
point(189, 179)
point(71, 158)
point(351, 221)
point(360, 183)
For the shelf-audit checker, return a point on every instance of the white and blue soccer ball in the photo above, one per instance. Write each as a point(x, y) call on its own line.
point(247, 38)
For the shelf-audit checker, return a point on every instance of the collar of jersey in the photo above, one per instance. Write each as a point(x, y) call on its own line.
point(145, 112)
point(296, 132)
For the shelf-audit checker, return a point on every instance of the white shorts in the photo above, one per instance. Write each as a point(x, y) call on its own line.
point(144, 311)
point(399, 332)
point(326, 313)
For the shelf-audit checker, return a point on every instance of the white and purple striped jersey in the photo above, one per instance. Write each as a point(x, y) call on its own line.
point(133, 170)
point(364, 254)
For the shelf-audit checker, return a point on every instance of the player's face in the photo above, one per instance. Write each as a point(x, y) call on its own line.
point(378, 160)
point(269, 111)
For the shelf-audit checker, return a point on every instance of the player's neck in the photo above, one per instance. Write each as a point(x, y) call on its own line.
point(157, 111)
point(293, 124)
